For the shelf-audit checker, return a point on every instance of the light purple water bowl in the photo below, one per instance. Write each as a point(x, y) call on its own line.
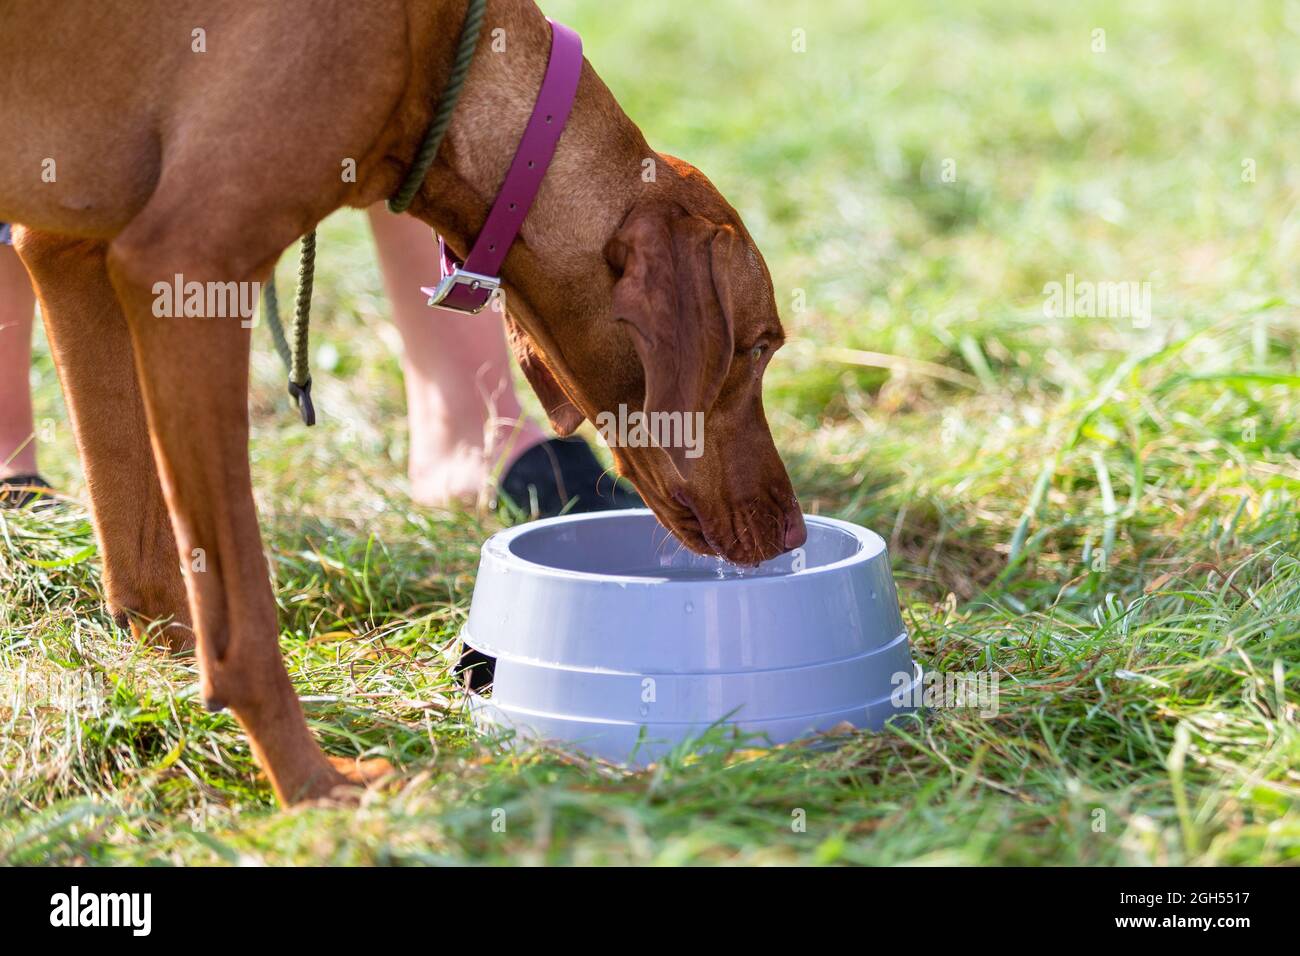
point(613, 640)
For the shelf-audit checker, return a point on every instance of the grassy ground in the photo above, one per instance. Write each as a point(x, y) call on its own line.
point(1100, 511)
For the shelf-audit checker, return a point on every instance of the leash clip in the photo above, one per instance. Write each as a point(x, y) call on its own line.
point(301, 395)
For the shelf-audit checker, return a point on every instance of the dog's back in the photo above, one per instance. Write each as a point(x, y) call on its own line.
point(94, 94)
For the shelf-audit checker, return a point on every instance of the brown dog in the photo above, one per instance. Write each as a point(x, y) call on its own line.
point(132, 156)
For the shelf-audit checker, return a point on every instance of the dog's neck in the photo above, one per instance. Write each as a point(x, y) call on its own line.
point(594, 178)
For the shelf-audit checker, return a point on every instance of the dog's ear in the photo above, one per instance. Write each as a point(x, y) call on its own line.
point(666, 295)
point(564, 415)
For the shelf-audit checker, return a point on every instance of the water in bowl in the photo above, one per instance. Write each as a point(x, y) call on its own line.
point(633, 544)
point(706, 569)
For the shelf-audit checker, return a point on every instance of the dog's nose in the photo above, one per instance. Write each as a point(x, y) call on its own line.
point(796, 532)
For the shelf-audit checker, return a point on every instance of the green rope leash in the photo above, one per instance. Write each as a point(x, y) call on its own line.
point(442, 118)
point(295, 358)
point(271, 305)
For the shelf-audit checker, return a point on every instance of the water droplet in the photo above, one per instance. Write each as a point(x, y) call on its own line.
point(690, 606)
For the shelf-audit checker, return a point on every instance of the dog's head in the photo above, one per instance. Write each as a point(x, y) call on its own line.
point(683, 331)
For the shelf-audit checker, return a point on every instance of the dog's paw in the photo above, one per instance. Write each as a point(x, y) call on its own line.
point(361, 774)
point(344, 781)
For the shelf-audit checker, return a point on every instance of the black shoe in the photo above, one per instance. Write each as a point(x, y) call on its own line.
point(562, 476)
point(18, 491)
point(559, 476)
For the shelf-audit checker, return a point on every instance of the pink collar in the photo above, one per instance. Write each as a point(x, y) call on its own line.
point(468, 287)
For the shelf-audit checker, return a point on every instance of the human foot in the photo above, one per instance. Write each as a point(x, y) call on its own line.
point(447, 469)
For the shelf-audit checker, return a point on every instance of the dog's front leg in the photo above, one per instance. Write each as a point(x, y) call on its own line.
point(193, 372)
point(92, 350)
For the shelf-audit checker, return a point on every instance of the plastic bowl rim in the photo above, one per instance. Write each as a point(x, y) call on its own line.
point(498, 546)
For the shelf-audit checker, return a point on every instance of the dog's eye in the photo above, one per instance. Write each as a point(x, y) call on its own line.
point(757, 352)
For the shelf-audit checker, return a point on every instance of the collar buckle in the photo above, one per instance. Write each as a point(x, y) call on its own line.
point(463, 291)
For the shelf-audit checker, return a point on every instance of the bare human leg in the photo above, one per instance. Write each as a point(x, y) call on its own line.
point(17, 307)
point(466, 423)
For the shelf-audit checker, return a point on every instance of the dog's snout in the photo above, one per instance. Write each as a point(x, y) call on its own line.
point(796, 532)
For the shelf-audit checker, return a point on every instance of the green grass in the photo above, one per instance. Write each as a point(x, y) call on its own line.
point(1101, 512)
